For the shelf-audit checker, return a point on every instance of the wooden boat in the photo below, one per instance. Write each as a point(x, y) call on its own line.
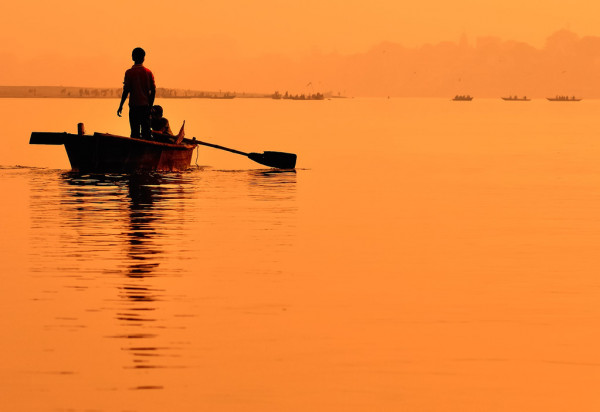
point(516, 99)
point(103, 152)
point(462, 98)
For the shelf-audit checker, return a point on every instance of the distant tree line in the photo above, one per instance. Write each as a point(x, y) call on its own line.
point(309, 96)
point(97, 93)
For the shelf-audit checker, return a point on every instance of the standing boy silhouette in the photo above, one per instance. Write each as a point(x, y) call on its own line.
point(140, 87)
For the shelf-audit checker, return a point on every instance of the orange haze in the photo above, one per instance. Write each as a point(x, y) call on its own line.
point(352, 47)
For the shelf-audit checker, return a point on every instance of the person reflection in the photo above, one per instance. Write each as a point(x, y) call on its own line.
point(138, 312)
point(98, 206)
point(143, 190)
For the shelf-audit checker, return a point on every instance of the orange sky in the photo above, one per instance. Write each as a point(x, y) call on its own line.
point(79, 43)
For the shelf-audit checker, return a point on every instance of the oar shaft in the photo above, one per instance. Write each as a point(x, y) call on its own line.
point(279, 160)
point(216, 146)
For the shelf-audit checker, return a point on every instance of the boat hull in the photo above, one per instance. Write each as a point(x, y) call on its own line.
point(103, 152)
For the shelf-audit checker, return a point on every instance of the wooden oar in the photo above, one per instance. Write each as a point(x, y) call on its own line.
point(279, 160)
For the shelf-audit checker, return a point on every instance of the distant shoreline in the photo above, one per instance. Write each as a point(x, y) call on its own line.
point(70, 92)
point(113, 92)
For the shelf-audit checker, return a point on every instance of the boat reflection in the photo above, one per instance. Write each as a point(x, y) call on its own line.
point(129, 204)
point(136, 236)
point(132, 206)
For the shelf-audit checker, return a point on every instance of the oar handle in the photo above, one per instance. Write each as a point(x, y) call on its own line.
point(216, 146)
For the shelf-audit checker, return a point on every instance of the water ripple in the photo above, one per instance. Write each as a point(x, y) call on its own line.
point(113, 239)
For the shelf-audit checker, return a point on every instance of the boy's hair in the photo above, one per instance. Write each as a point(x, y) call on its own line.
point(138, 55)
point(157, 111)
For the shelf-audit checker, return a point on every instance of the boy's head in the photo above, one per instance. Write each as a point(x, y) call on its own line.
point(157, 112)
point(138, 54)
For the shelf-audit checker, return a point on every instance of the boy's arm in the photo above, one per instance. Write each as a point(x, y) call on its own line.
point(123, 98)
point(152, 94)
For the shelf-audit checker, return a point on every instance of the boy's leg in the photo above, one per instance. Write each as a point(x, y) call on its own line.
point(134, 121)
point(145, 122)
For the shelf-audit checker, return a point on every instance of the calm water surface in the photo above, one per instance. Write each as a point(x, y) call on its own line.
point(426, 255)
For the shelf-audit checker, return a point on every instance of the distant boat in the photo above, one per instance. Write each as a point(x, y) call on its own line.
point(564, 99)
point(225, 96)
point(516, 99)
point(463, 98)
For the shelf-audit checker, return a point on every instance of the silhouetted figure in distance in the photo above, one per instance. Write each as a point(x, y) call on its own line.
point(140, 87)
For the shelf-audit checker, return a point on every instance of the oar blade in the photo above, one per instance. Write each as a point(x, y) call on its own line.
point(48, 138)
point(279, 160)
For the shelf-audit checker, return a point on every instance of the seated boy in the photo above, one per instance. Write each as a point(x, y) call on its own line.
point(159, 124)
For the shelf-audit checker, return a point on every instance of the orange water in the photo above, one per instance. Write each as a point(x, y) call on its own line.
point(427, 255)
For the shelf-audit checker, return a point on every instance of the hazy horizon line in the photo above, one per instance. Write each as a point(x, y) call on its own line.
point(484, 66)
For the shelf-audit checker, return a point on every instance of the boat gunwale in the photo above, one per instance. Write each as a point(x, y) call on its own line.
point(182, 146)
